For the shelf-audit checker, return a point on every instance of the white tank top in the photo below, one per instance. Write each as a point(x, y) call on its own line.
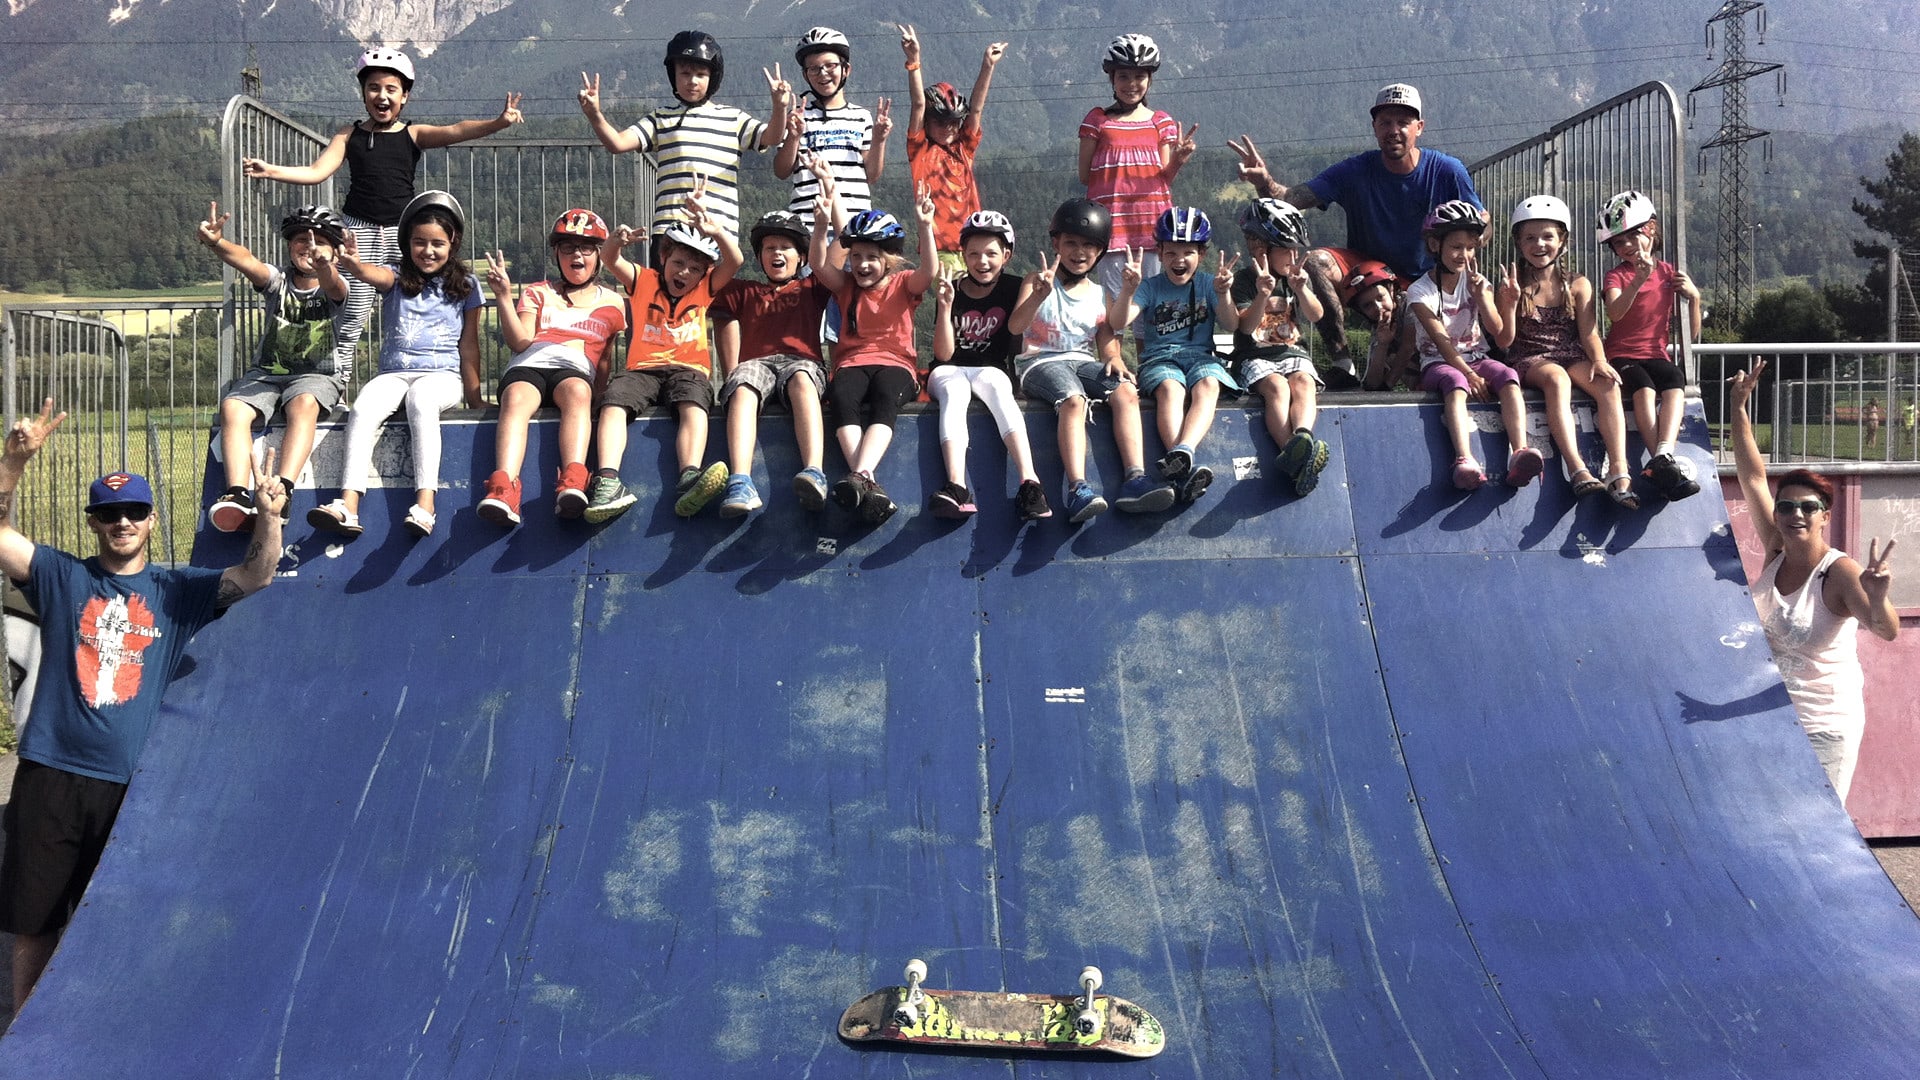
point(1817, 651)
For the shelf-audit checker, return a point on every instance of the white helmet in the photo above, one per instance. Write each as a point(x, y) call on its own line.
point(823, 39)
point(1623, 213)
point(687, 237)
point(988, 223)
point(1543, 208)
point(1131, 51)
point(385, 60)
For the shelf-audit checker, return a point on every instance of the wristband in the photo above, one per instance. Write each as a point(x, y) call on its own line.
point(913, 65)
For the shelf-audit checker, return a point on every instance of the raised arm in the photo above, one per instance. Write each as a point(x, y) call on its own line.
point(1691, 293)
point(328, 163)
point(1226, 317)
point(787, 158)
point(615, 260)
point(876, 156)
point(1121, 310)
point(1618, 301)
point(1253, 170)
point(212, 234)
point(929, 252)
point(708, 226)
point(1747, 463)
point(827, 259)
point(513, 330)
point(1033, 292)
point(255, 572)
point(1865, 589)
point(428, 137)
point(1263, 282)
point(916, 84)
point(617, 141)
point(1174, 156)
point(380, 277)
point(28, 435)
point(781, 91)
point(1506, 297)
point(943, 341)
point(982, 82)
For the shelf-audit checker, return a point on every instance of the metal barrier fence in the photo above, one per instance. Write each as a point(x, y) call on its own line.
point(1849, 408)
point(1633, 140)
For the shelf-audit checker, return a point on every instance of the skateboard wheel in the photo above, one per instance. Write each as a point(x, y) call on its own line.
point(916, 971)
point(1087, 1022)
point(906, 1016)
point(1090, 978)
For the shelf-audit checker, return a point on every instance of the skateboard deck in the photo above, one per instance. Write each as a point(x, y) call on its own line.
point(1000, 1020)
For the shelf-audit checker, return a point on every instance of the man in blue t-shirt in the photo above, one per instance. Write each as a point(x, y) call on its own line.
point(1386, 194)
point(113, 630)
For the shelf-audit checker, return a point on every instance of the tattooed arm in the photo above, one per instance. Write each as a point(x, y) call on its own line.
point(255, 572)
point(24, 441)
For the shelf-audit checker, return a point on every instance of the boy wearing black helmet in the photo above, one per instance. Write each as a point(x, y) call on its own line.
point(1276, 299)
point(695, 135)
point(943, 135)
point(768, 337)
point(1072, 356)
point(295, 367)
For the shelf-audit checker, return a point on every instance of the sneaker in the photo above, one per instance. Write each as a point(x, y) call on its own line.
point(1031, 501)
point(1196, 484)
point(810, 487)
point(336, 518)
point(1672, 480)
point(286, 504)
point(232, 511)
point(707, 483)
point(1295, 455)
point(607, 498)
point(1176, 465)
point(570, 491)
point(849, 490)
point(1082, 503)
point(1139, 495)
point(875, 506)
point(742, 497)
point(954, 501)
point(502, 504)
point(1309, 477)
point(1523, 466)
point(418, 522)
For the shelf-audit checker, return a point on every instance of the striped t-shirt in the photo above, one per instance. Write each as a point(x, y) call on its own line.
point(842, 136)
point(1126, 172)
point(707, 139)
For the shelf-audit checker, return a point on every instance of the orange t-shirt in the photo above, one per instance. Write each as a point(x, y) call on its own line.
point(948, 173)
point(669, 332)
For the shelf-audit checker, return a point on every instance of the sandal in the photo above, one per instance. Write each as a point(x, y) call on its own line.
point(1585, 484)
point(1524, 464)
point(336, 518)
point(1467, 474)
point(1620, 488)
point(419, 521)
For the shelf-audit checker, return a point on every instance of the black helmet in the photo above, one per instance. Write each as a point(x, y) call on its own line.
point(316, 218)
point(1083, 218)
point(699, 47)
point(946, 103)
point(779, 223)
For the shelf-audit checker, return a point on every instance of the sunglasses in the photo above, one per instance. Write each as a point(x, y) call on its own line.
point(1808, 507)
point(114, 515)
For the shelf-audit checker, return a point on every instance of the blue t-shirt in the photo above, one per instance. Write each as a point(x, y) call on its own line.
point(109, 645)
point(1385, 211)
point(1173, 317)
point(422, 333)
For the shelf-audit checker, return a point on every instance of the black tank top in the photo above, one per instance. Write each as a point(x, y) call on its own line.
point(380, 168)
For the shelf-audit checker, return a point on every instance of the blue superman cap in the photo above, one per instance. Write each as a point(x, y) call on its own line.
point(119, 487)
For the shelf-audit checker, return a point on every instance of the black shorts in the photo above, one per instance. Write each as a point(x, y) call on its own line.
point(57, 825)
point(638, 391)
point(544, 379)
point(869, 394)
point(1658, 375)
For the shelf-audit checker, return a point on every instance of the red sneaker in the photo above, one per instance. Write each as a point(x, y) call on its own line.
point(570, 491)
point(502, 504)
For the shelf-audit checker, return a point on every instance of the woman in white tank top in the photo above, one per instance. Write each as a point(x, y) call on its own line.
point(1811, 597)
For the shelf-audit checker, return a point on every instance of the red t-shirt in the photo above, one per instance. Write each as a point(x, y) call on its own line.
point(774, 319)
point(948, 172)
point(876, 326)
point(1642, 333)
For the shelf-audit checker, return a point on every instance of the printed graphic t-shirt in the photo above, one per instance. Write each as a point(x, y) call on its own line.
point(298, 337)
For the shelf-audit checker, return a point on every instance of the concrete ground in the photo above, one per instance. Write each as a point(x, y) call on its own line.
point(1900, 859)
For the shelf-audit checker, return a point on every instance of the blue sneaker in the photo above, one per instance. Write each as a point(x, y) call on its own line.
point(1082, 504)
point(742, 499)
point(1196, 484)
point(1140, 495)
point(1176, 465)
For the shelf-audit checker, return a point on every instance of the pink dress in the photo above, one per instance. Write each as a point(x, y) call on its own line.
point(1125, 176)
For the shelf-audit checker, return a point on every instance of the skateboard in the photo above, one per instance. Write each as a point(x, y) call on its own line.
point(999, 1020)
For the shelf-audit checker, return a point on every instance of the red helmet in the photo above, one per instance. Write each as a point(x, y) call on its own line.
point(584, 224)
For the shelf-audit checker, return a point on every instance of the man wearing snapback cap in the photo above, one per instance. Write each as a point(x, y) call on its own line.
point(1386, 194)
point(113, 630)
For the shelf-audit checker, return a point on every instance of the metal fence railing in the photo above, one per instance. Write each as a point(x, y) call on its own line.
point(1844, 407)
point(1633, 140)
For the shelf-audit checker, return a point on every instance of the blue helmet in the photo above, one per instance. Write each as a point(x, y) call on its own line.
point(1182, 225)
point(876, 227)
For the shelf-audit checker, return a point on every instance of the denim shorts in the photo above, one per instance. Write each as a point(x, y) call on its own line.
point(1067, 375)
point(1186, 367)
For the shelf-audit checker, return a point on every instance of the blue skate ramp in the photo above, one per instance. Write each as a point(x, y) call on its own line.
point(1391, 780)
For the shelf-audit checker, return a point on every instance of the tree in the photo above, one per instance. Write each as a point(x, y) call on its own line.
point(1894, 212)
point(1794, 313)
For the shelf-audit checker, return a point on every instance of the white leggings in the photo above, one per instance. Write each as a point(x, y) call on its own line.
point(954, 386)
point(426, 394)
